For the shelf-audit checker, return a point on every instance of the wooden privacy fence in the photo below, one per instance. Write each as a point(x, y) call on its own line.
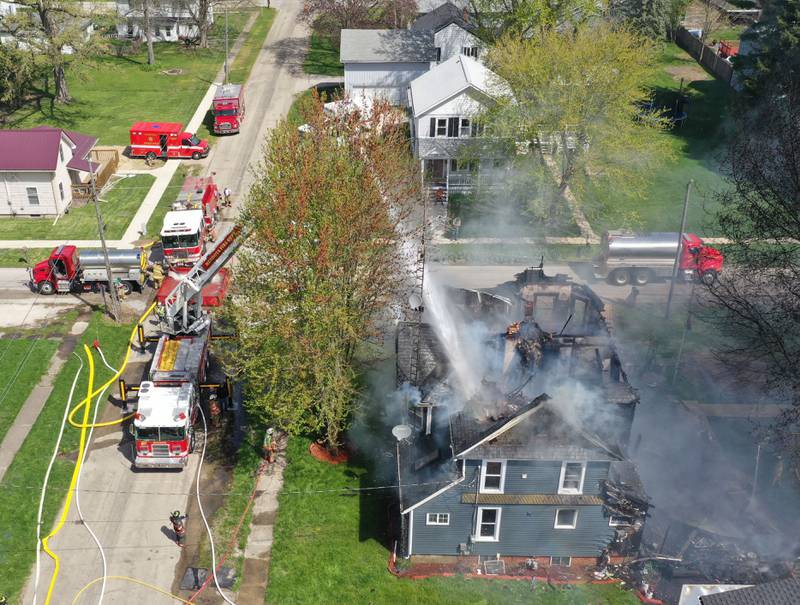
point(705, 55)
point(108, 158)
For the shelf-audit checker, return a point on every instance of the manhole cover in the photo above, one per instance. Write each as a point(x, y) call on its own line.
point(173, 72)
point(195, 577)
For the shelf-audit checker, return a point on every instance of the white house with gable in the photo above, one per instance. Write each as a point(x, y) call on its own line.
point(453, 32)
point(447, 139)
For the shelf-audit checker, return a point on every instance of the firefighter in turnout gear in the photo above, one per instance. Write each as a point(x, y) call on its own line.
point(269, 446)
point(179, 527)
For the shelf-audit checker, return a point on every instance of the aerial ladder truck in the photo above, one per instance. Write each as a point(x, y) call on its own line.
point(169, 400)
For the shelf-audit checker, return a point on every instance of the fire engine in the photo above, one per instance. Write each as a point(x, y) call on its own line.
point(169, 400)
point(165, 140)
point(228, 108)
point(192, 220)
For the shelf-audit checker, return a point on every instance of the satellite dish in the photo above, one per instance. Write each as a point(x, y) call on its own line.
point(415, 302)
point(401, 431)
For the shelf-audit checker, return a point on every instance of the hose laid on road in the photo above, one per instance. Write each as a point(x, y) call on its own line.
point(116, 375)
point(75, 473)
point(202, 514)
point(78, 484)
point(47, 479)
point(135, 581)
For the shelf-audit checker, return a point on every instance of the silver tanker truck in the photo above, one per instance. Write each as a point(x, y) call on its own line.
point(70, 270)
point(639, 258)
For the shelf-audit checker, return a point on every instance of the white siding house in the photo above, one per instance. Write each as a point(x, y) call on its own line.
point(38, 168)
point(447, 140)
point(171, 19)
point(381, 63)
point(86, 25)
point(452, 32)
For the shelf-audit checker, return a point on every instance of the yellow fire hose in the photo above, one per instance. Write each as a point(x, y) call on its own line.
point(86, 402)
point(135, 581)
point(75, 474)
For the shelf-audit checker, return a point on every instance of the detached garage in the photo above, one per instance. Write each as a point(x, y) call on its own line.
point(381, 63)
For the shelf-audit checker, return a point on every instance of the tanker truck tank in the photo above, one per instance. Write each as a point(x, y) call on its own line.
point(118, 258)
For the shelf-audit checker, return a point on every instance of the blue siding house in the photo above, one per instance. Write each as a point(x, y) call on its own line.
point(512, 476)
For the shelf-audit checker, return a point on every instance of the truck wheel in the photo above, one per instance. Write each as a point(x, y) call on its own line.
point(619, 277)
point(709, 277)
point(196, 155)
point(46, 287)
point(641, 277)
point(127, 288)
point(151, 156)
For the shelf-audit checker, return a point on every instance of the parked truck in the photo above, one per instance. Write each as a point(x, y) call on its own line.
point(70, 270)
point(153, 140)
point(639, 258)
point(191, 222)
point(228, 108)
point(168, 403)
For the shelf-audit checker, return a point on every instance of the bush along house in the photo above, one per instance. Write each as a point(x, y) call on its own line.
point(529, 470)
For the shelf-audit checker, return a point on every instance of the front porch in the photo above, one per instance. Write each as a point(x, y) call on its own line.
point(442, 177)
point(105, 161)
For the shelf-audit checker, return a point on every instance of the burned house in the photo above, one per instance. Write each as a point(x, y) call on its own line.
point(532, 463)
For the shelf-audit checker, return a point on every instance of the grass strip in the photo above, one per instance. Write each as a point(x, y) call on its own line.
point(25, 360)
point(323, 57)
point(333, 543)
point(22, 257)
point(118, 206)
point(22, 482)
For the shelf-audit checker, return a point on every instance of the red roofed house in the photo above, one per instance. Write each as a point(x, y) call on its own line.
point(42, 170)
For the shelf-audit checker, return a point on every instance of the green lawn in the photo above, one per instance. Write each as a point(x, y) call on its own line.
point(22, 257)
point(116, 91)
point(20, 485)
point(509, 254)
point(697, 146)
point(25, 361)
point(330, 546)
point(117, 206)
point(323, 57)
point(243, 63)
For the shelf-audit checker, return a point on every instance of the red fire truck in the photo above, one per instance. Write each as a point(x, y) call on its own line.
point(191, 222)
point(170, 400)
point(153, 140)
point(162, 425)
point(228, 108)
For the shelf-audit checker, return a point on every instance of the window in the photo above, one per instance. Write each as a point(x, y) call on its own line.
point(465, 131)
point(438, 519)
point(61, 152)
point(561, 561)
point(168, 31)
point(493, 476)
point(470, 51)
point(463, 165)
point(488, 525)
point(130, 31)
point(616, 520)
point(566, 518)
point(438, 54)
point(61, 190)
point(33, 196)
point(441, 127)
point(572, 474)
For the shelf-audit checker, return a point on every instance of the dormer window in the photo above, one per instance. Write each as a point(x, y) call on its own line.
point(493, 476)
point(572, 476)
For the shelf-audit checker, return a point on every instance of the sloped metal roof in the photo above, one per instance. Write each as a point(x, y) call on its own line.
point(386, 46)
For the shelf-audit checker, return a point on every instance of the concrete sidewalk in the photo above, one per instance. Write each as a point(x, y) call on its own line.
point(33, 405)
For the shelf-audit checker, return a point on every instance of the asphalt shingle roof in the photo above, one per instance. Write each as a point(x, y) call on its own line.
point(37, 149)
point(781, 592)
point(440, 17)
point(386, 46)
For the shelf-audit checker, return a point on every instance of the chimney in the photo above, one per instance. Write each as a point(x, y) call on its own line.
point(466, 15)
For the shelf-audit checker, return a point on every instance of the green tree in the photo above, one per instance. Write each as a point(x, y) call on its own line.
point(56, 32)
point(771, 48)
point(17, 74)
point(526, 18)
point(583, 96)
point(647, 17)
point(328, 213)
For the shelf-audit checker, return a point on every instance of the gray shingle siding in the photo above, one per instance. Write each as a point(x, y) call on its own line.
point(525, 530)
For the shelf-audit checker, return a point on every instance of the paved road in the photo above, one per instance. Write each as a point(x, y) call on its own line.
point(129, 510)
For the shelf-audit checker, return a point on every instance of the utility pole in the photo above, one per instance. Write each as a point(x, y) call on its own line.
point(112, 289)
point(225, 81)
point(680, 246)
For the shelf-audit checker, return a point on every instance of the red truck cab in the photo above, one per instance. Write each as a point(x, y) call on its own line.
point(700, 260)
point(165, 140)
point(57, 273)
point(228, 108)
